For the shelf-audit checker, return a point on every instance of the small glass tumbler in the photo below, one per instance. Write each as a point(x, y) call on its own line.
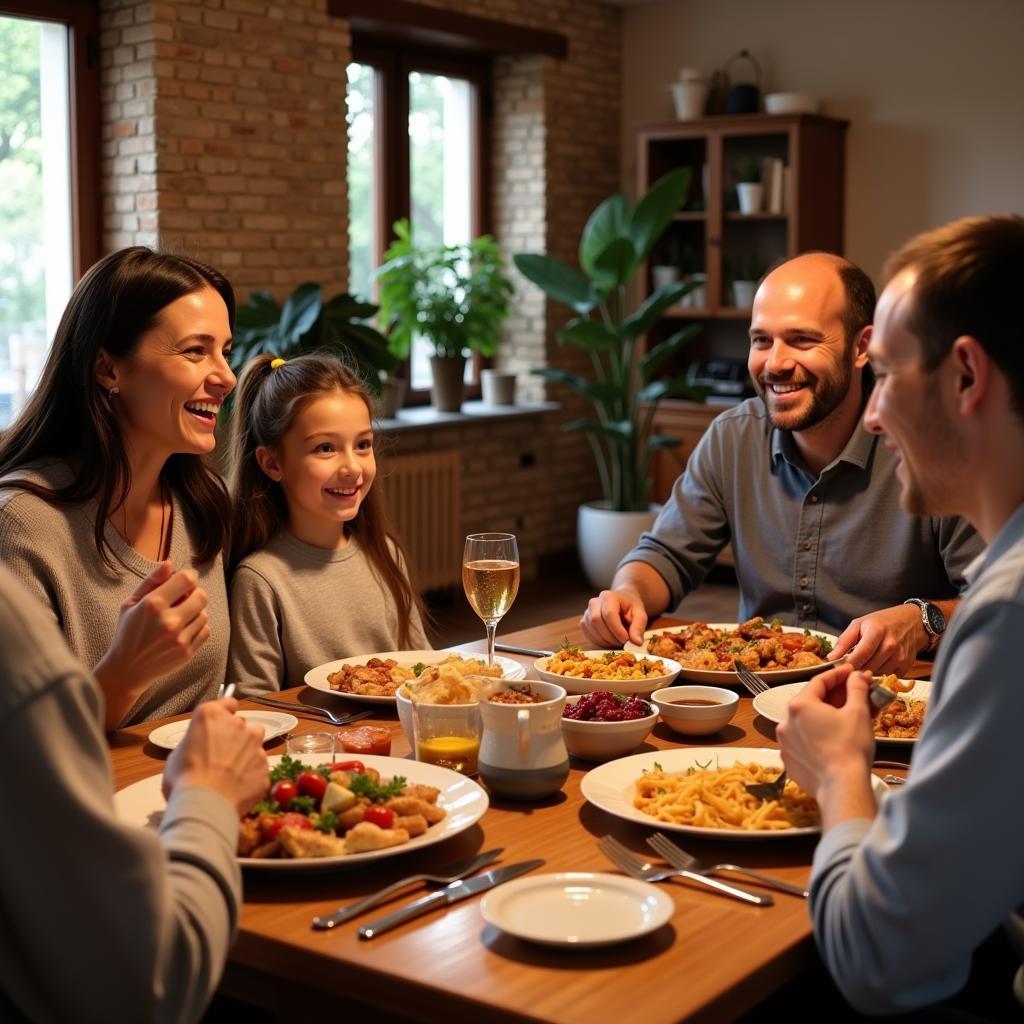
point(316, 745)
point(448, 735)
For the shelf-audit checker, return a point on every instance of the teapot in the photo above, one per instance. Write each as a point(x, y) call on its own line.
point(522, 753)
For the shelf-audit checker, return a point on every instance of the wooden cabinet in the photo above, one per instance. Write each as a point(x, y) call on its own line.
point(711, 242)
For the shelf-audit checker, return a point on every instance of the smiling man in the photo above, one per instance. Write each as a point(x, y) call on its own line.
point(902, 896)
point(809, 502)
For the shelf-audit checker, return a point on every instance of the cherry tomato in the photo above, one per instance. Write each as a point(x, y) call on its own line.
point(284, 791)
point(312, 784)
point(365, 739)
point(290, 820)
point(349, 766)
point(383, 817)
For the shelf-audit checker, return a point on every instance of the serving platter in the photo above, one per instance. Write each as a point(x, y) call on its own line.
point(317, 678)
point(719, 677)
point(465, 801)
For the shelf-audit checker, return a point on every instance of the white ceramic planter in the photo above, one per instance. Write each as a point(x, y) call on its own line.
point(743, 293)
point(690, 98)
point(663, 275)
point(751, 196)
point(603, 537)
point(698, 297)
point(498, 387)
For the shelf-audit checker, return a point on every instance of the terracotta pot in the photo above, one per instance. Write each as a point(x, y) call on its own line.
point(449, 387)
point(392, 395)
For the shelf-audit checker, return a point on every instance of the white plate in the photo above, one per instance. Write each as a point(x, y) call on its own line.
point(274, 723)
point(462, 798)
point(577, 908)
point(317, 677)
point(576, 684)
point(773, 704)
point(716, 677)
point(612, 786)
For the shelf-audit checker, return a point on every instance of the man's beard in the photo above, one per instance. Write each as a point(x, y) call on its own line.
point(826, 395)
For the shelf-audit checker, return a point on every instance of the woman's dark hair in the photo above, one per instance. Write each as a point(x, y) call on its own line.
point(70, 416)
point(267, 403)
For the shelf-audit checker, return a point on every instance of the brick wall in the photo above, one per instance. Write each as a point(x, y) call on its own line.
point(224, 137)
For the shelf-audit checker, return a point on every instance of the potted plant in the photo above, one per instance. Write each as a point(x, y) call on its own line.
point(749, 189)
point(456, 296)
point(305, 323)
point(625, 388)
point(746, 273)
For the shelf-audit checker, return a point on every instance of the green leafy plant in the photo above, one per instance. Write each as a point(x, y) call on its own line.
point(748, 170)
point(456, 296)
point(625, 389)
point(307, 324)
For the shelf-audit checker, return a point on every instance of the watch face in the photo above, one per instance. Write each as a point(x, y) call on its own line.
point(935, 618)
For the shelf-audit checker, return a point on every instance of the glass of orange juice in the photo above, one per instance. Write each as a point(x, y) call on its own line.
point(448, 735)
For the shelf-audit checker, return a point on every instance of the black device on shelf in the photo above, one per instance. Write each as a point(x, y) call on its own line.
point(724, 378)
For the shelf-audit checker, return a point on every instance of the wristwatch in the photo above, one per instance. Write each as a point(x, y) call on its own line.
point(933, 620)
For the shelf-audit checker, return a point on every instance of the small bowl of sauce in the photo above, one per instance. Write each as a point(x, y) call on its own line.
point(695, 710)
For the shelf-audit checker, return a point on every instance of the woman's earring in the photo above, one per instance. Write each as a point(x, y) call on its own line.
point(113, 391)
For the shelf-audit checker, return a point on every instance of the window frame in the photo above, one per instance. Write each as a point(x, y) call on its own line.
point(394, 61)
point(82, 20)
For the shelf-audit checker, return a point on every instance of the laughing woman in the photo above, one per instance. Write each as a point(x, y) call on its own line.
point(107, 511)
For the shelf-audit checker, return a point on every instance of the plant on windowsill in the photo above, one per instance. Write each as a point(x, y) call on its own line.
point(625, 389)
point(455, 296)
point(305, 323)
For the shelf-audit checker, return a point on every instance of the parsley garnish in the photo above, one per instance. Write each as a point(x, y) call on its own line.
point(826, 644)
point(288, 768)
point(363, 785)
point(418, 667)
point(325, 821)
point(303, 804)
point(657, 767)
point(266, 807)
point(703, 767)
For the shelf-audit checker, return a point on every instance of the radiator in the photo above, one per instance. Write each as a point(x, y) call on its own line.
point(421, 494)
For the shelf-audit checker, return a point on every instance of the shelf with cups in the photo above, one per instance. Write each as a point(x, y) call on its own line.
point(762, 188)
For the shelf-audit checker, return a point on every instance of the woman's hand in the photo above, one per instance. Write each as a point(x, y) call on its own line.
point(221, 752)
point(159, 628)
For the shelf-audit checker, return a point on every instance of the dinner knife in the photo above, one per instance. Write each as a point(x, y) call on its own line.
point(512, 649)
point(454, 893)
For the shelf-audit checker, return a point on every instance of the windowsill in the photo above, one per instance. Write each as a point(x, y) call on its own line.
point(422, 416)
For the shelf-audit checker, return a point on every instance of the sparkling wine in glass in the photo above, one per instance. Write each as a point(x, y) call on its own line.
point(490, 577)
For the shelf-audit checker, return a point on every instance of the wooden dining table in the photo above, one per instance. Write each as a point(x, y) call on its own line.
point(714, 960)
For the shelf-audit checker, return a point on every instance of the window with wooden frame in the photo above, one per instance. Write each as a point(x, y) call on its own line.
point(49, 177)
point(417, 148)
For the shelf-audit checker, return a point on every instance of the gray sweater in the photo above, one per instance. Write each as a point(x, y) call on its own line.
point(295, 606)
point(50, 549)
point(101, 921)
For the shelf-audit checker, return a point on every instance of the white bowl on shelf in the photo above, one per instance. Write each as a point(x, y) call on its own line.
point(791, 103)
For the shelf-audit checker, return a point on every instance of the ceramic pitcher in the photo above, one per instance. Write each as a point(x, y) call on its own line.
point(522, 754)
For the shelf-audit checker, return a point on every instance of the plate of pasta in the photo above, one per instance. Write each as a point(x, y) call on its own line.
point(900, 722)
point(373, 678)
point(706, 651)
point(699, 791)
point(460, 803)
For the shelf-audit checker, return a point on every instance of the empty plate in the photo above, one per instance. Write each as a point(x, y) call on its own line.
point(577, 908)
point(275, 723)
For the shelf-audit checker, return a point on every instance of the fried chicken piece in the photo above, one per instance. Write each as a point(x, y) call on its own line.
point(354, 815)
point(801, 659)
point(414, 824)
point(248, 836)
point(308, 842)
point(421, 792)
point(267, 851)
point(403, 805)
point(366, 837)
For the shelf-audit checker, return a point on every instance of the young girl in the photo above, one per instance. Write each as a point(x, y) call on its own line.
point(317, 573)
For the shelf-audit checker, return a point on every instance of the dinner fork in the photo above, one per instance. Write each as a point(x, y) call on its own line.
point(767, 790)
point(753, 684)
point(679, 858)
point(626, 860)
point(311, 710)
point(453, 874)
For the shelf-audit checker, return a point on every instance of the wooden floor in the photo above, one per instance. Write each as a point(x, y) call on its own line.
point(557, 594)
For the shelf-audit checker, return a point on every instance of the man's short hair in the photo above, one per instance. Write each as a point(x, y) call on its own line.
point(969, 273)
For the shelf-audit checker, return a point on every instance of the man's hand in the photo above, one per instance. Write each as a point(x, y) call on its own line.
point(614, 617)
point(221, 752)
point(828, 742)
point(884, 641)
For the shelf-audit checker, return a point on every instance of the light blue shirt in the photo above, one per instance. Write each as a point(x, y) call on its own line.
point(899, 903)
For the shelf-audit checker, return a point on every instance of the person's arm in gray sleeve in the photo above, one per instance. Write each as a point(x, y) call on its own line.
point(255, 658)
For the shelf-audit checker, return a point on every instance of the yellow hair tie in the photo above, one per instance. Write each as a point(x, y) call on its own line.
point(275, 363)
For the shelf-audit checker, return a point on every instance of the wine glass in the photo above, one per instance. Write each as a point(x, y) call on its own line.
point(490, 578)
